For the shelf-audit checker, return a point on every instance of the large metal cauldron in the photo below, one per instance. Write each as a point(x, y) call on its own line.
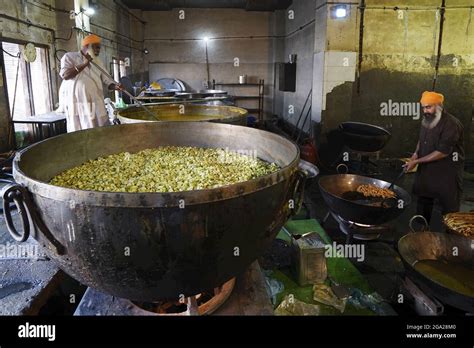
point(185, 112)
point(152, 246)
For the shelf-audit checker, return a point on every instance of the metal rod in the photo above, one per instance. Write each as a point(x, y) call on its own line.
point(440, 44)
point(207, 67)
point(301, 114)
point(125, 91)
point(308, 114)
point(361, 43)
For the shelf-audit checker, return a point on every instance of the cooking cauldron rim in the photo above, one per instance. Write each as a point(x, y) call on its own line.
point(241, 113)
point(396, 189)
point(383, 131)
point(153, 199)
point(437, 289)
point(356, 212)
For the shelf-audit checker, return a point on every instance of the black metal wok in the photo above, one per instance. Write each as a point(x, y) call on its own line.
point(333, 187)
point(364, 137)
point(153, 246)
point(419, 246)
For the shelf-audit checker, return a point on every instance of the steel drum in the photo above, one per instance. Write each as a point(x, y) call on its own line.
point(153, 246)
point(185, 112)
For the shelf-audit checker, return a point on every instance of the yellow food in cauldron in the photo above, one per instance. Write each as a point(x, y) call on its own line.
point(164, 169)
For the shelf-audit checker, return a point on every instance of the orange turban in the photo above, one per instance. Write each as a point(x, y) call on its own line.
point(431, 98)
point(90, 39)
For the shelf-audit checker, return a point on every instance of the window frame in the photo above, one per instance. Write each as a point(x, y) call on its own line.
point(28, 74)
point(117, 63)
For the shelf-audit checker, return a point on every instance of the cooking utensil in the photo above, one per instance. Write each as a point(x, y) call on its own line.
point(333, 187)
point(446, 255)
point(154, 246)
point(212, 93)
point(176, 112)
point(131, 96)
point(397, 178)
point(301, 114)
point(172, 84)
point(364, 137)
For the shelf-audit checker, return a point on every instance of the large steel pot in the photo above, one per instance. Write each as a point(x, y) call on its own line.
point(152, 246)
point(185, 112)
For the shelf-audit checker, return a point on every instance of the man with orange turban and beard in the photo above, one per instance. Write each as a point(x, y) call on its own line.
point(440, 158)
point(81, 92)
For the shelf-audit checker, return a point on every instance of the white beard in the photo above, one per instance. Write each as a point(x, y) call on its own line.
point(430, 125)
point(96, 59)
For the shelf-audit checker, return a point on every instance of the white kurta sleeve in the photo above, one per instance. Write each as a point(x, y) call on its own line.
point(67, 62)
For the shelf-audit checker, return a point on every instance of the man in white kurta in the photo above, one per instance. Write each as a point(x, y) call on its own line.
point(82, 95)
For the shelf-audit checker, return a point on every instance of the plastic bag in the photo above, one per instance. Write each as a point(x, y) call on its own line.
point(324, 294)
point(292, 306)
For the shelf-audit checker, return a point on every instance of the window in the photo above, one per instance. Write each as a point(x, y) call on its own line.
point(28, 84)
point(119, 72)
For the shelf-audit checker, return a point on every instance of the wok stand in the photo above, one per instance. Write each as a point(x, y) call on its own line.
point(422, 302)
point(356, 231)
point(362, 164)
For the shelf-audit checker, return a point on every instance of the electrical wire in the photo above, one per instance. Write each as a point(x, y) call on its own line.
point(12, 55)
point(47, 7)
point(115, 32)
point(395, 8)
point(110, 40)
point(250, 37)
point(56, 54)
point(68, 38)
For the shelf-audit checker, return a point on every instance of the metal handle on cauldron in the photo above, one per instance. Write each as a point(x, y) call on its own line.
point(298, 192)
point(305, 171)
point(12, 193)
point(19, 195)
point(421, 217)
point(340, 166)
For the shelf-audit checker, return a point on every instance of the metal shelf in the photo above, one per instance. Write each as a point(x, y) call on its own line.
point(247, 97)
point(234, 84)
point(260, 97)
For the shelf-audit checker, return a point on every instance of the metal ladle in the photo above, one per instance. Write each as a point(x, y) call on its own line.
point(140, 104)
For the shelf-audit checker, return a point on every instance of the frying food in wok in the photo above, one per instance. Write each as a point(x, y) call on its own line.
point(375, 191)
point(461, 223)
